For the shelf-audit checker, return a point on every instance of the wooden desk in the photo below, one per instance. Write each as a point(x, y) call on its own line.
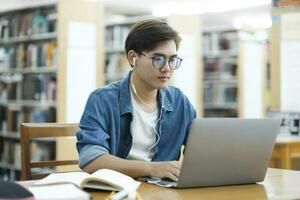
point(278, 184)
point(286, 149)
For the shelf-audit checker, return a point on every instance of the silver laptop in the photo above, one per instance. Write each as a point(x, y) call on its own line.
point(226, 151)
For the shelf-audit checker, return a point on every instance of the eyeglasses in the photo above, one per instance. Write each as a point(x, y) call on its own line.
point(159, 61)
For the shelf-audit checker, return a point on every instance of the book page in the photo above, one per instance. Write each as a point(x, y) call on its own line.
point(67, 177)
point(59, 191)
point(115, 178)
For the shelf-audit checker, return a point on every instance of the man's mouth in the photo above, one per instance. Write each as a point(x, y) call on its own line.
point(163, 78)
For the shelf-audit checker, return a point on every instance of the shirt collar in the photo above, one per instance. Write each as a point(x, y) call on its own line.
point(125, 105)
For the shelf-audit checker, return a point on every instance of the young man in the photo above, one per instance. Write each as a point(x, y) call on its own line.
point(137, 125)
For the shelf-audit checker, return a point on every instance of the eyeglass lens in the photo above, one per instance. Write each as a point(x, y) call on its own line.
point(160, 61)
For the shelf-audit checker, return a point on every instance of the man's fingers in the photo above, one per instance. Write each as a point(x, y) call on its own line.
point(172, 176)
point(177, 164)
point(175, 171)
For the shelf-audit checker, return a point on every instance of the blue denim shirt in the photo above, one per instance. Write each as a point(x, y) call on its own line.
point(105, 123)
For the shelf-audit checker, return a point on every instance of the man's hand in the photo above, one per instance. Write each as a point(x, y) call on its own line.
point(167, 169)
point(135, 168)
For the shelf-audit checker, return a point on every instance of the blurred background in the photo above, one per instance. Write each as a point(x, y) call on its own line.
point(240, 59)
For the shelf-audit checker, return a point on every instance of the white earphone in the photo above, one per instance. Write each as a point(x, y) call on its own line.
point(134, 61)
point(158, 133)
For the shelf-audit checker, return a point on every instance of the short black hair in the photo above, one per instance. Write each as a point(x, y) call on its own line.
point(147, 34)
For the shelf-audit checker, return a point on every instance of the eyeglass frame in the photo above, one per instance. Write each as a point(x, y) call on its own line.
point(166, 59)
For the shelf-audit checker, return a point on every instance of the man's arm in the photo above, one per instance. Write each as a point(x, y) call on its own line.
point(134, 168)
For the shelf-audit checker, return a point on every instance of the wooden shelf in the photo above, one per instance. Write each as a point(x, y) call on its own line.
point(233, 81)
point(221, 53)
point(126, 21)
point(31, 70)
point(29, 38)
point(114, 51)
point(29, 103)
point(37, 5)
point(219, 76)
point(229, 106)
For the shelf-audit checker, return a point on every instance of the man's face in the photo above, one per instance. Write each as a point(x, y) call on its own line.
point(152, 77)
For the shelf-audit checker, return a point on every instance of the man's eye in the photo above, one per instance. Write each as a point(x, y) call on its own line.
point(159, 59)
point(174, 60)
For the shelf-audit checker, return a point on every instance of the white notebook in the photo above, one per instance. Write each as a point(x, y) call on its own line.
point(104, 179)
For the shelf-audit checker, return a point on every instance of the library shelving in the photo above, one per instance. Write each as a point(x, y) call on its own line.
point(233, 73)
point(38, 46)
point(28, 67)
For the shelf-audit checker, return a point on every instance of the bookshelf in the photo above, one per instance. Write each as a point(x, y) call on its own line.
point(38, 45)
point(28, 67)
point(233, 73)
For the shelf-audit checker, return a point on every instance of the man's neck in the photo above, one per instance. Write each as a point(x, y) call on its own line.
point(142, 92)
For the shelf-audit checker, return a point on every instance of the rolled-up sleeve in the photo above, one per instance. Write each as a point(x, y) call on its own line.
point(93, 137)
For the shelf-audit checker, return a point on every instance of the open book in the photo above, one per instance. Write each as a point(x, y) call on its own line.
point(104, 179)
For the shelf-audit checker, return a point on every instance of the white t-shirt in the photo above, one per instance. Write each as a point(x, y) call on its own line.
point(143, 127)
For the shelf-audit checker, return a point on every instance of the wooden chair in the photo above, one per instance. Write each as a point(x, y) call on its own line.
point(42, 130)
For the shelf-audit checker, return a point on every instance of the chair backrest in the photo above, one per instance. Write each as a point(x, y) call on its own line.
point(42, 130)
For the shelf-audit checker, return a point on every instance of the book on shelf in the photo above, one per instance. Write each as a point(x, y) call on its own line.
point(26, 23)
point(222, 65)
point(4, 31)
point(217, 42)
point(14, 119)
point(39, 23)
point(286, 3)
point(39, 115)
point(116, 67)
point(220, 94)
point(228, 40)
point(40, 87)
point(11, 86)
point(42, 151)
point(104, 179)
point(17, 155)
point(29, 55)
point(11, 155)
point(7, 156)
point(3, 92)
point(115, 37)
point(3, 113)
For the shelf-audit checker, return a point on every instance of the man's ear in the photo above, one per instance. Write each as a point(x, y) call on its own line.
point(132, 56)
